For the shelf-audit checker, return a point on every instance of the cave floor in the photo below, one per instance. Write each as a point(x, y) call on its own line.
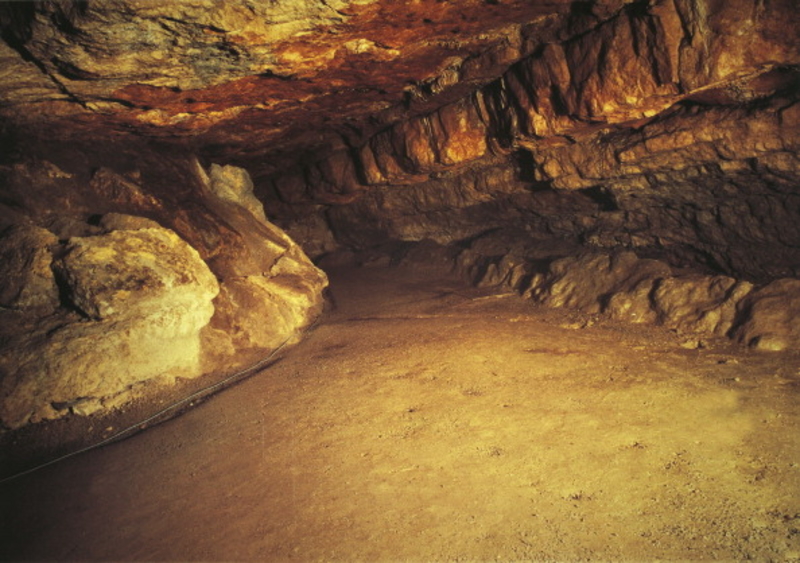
point(427, 420)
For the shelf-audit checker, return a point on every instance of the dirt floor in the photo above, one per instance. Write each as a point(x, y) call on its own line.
point(426, 420)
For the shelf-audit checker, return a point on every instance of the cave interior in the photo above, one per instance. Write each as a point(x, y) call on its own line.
point(180, 179)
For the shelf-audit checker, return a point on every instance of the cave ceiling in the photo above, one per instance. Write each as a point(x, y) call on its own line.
point(675, 121)
point(265, 84)
point(258, 82)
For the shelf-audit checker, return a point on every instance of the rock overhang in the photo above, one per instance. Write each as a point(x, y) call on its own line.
point(238, 78)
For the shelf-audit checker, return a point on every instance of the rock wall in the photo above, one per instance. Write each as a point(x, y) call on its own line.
point(541, 141)
point(676, 123)
point(102, 306)
point(620, 285)
point(667, 128)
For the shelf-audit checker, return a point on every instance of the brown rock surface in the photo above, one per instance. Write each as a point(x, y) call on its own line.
point(771, 317)
point(25, 259)
point(587, 282)
point(583, 131)
point(704, 304)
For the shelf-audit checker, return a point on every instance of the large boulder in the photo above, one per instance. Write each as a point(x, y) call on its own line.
point(771, 317)
point(143, 297)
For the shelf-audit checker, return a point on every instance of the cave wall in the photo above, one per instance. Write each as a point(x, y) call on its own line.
point(670, 127)
point(118, 283)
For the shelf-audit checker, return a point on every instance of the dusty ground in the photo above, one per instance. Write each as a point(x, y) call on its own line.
point(430, 421)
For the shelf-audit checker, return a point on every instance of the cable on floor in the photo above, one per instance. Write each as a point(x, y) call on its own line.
point(205, 391)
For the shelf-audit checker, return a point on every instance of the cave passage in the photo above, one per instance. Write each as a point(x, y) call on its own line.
point(526, 275)
point(426, 419)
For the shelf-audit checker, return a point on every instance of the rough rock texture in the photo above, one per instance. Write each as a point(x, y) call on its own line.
point(281, 77)
point(627, 288)
point(567, 284)
point(234, 185)
point(130, 272)
point(147, 295)
point(675, 123)
point(25, 258)
point(696, 303)
point(771, 319)
point(141, 303)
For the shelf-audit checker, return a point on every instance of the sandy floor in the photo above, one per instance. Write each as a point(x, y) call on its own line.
point(432, 421)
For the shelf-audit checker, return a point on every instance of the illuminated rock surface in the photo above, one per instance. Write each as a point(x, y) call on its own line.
point(617, 179)
point(138, 304)
point(143, 296)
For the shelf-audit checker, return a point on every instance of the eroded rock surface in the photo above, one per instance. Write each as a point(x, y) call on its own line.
point(625, 287)
point(147, 295)
point(25, 258)
point(770, 317)
point(135, 305)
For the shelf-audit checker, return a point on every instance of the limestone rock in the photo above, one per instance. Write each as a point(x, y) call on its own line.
point(233, 184)
point(771, 317)
point(270, 292)
point(25, 259)
point(634, 304)
point(588, 282)
point(121, 222)
point(149, 296)
point(124, 271)
point(698, 303)
point(120, 191)
point(248, 73)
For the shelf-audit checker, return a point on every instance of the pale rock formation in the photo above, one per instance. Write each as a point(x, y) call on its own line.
point(148, 296)
point(233, 184)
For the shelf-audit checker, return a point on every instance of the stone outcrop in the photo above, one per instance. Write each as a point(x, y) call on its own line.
point(566, 283)
point(116, 305)
point(770, 317)
point(146, 296)
point(625, 287)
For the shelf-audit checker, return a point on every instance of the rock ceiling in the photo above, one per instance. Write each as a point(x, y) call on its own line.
point(259, 78)
point(260, 82)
